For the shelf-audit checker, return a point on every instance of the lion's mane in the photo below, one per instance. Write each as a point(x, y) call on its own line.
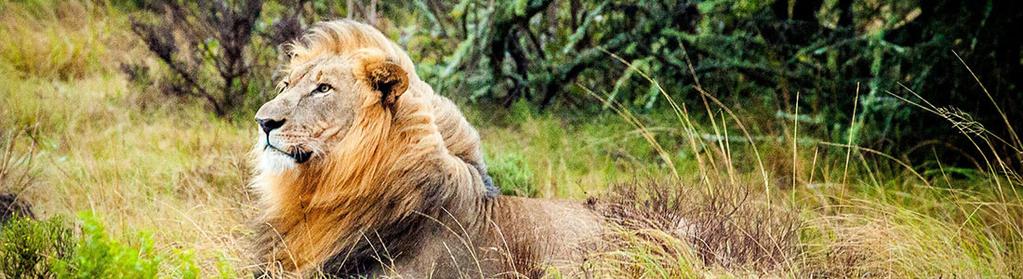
point(382, 174)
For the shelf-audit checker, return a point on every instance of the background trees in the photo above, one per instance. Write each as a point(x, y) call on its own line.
point(758, 54)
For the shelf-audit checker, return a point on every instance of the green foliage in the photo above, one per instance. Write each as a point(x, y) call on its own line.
point(224, 269)
point(511, 172)
point(52, 248)
point(187, 266)
point(31, 249)
point(99, 256)
point(521, 112)
point(758, 53)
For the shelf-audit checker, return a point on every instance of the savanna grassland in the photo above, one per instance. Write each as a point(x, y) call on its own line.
point(127, 182)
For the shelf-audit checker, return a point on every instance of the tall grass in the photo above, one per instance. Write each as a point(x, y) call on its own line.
point(877, 216)
point(56, 39)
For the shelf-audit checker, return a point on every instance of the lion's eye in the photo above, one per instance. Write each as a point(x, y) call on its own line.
point(322, 88)
point(284, 86)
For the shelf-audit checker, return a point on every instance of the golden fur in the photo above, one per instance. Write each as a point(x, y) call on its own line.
point(400, 188)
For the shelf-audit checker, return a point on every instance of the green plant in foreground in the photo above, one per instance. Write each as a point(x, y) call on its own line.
point(98, 256)
point(30, 248)
point(51, 248)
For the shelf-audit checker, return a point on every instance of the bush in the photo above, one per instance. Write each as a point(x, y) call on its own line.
point(30, 248)
point(52, 248)
point(512, 175)
point(767, 55)
point(96, 255)
point(213, 58)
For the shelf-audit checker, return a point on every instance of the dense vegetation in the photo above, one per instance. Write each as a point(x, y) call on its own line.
point(759, 54)
point(831, 138)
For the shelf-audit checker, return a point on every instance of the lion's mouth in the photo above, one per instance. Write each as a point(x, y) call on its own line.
point(299, 155)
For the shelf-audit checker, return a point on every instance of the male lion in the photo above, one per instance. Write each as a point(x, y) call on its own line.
point(365, 171)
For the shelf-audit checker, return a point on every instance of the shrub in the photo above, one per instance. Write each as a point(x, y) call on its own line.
point(51, 248)
point(30, 248)
point(512, 175)
point(210, 57)
point(96, 255)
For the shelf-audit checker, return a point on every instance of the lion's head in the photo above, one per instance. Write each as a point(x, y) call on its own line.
point(325, 86)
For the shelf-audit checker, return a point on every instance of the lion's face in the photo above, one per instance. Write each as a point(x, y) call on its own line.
point(317, 104)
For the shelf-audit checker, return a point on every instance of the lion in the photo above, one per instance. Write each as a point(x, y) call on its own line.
point(364, 171)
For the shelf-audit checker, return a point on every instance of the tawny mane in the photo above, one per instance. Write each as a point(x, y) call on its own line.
point(363, 183)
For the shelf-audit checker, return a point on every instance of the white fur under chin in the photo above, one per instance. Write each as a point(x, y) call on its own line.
point(271, 161)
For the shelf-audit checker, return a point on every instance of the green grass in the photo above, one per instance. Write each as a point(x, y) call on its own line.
point(162, 186)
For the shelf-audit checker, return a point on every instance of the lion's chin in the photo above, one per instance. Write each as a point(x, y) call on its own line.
point(272, 161)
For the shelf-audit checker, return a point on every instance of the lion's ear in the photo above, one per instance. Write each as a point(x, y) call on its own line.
point(389, 79)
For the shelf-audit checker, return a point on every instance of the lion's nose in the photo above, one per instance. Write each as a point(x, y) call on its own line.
point(269, 124)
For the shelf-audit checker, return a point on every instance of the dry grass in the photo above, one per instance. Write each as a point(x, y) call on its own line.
point(688, 228)
point(71, 47)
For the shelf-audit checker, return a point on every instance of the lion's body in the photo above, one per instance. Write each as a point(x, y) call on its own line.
point(404, 190)
point(507, 237)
